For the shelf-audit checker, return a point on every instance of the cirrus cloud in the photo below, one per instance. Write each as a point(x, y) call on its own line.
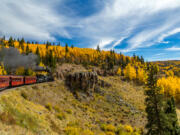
point(123, 25)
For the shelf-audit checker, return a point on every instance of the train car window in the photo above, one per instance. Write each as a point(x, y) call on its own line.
point(3, 80)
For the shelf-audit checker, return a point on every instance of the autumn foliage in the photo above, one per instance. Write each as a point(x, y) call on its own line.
point(170, 86)
point(130, 72)
point(51, 54)
point(132, 68)
point(2, 70)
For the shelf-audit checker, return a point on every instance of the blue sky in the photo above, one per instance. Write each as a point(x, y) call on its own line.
point(146, 27)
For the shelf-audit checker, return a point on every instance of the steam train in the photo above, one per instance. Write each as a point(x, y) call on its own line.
point(13, 81)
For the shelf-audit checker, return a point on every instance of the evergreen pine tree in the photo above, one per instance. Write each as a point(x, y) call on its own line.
point(66, 48)
point(161, 113)
point(170, 110)
point(110, 62)
point(51, 60)
point(66, 51)
point(22, 41)
point(72, 46)
point(27, 49)
point(134, 56)
point(11, 42)
point(98, 48)
point(37, 51)
point(21, 44)
point(38, 54)
point(47, 44)
point(154, 105)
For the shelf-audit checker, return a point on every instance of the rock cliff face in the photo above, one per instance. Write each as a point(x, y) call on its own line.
point(84, 84)
point(63, 70)
point(82, 81)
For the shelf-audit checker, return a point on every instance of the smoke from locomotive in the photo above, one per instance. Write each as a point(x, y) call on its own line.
point(12, 59)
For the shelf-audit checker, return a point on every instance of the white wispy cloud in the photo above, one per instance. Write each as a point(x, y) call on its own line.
point(169, 33)
point(174, 48)
point(159, 54)
point(105, 41)
point(31, 19)
point(142, 23)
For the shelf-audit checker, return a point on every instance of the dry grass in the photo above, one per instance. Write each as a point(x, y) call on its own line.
point(50, 108)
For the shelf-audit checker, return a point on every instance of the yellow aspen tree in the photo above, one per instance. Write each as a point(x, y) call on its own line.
point(170, 86)
point(130, 72)
point(2, 70)
point(20, 71)
point(119, 71)
point(141, 75)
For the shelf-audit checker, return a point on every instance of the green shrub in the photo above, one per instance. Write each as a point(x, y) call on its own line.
point(126, 130)
point(110, 133)
point(24, 95)
point(72, 131)
point(69, 111)
point(56, 108)
point(87, 132)
point(73, 123)
point(49, 106)
point(77, 131)
point(108, 127)
point(61, 116)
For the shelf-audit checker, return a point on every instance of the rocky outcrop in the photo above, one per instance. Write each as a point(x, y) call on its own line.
point(82, 81)
point(103, 83)
point(84, 84)
point(65, 69)
point(105, 72)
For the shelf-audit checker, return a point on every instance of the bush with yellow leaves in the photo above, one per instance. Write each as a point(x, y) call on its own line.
point(126, 130)
point(108, 127)
point(119, 130)
point(20, 71)
point(119, 71)
point(169, 73)
point(130, 72)
point(2, 70)
point(141, 76)
point(170, 86)
point(77, 131)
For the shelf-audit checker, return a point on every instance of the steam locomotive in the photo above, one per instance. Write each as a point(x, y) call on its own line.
point(13, 81)
point(8, 81)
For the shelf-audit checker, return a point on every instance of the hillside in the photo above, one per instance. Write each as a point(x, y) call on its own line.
point(173, 65)
point(95, 92)
point(50, 108)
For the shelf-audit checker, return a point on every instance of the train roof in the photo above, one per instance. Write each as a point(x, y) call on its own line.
point(4, 76)
point(15, 76)
point(30, 76)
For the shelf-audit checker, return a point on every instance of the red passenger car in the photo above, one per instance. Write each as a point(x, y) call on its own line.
point(30, 79)
point(4, 81)
point(17, 80)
